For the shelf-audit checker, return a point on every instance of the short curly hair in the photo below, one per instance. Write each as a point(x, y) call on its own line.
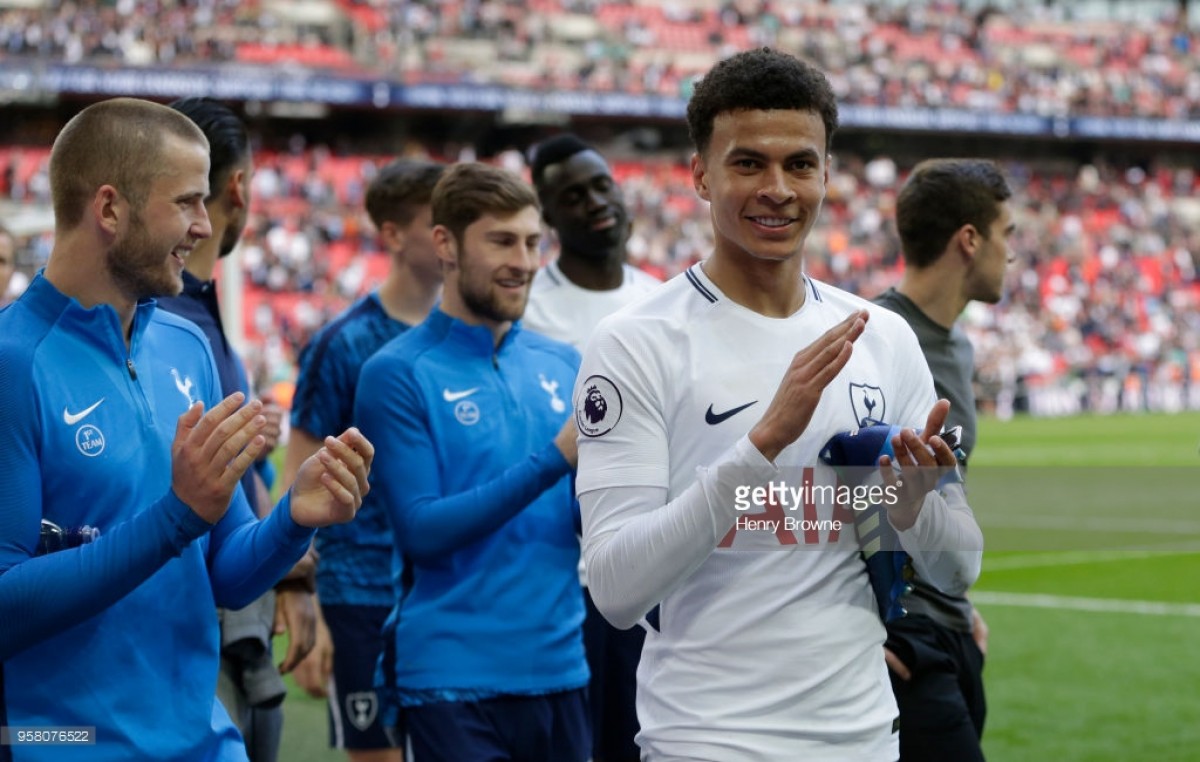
point(552, 151)
point(760, 79)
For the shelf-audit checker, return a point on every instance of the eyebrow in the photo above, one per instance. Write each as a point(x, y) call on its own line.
point(586, 181)
point(496, 235)
point(740, 152)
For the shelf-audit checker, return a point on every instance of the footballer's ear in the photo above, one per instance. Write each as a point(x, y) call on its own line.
point(445, 245)
point(238, 188)
point(392, 236)
point(968, 240)
point(109, 209)
point(700, 177)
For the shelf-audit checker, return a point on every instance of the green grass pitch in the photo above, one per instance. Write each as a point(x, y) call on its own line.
point(1089, 588)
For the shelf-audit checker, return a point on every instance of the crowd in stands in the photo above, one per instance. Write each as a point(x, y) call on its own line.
point(1104, 308)
point(1102, 312)
point(166, 32)
point(1049, 59)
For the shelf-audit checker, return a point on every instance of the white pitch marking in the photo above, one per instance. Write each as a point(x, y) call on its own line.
point(1099, 605)
point(1092, 523)
point(1077, 557)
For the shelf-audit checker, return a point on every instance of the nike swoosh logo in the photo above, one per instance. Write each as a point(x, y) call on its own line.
point(712, 419)
point(450, 396)
point(71, 419)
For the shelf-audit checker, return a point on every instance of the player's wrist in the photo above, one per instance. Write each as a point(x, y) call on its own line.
point(766, 444)
point(301, 577)
point(903, 518)
point(305, 584)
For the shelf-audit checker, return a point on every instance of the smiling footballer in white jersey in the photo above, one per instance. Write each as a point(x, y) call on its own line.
point(767, 645)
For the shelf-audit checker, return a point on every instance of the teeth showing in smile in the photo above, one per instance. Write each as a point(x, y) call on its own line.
point(772, 222)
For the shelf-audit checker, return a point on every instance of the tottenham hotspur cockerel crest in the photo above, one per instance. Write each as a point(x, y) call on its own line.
point(868, 404)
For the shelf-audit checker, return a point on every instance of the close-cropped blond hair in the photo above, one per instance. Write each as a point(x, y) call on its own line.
point(117, 142)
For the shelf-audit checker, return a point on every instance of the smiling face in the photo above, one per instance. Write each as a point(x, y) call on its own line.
point(585, 206)
point(493, 268)
point(764, 173)
point(147, 257)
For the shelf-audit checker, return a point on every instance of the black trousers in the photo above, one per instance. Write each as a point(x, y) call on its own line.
point(613, 657)
point(942, 707)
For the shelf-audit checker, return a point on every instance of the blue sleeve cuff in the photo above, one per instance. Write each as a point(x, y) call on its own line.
point(291, 532)
point(551, 463)
point(187, 524)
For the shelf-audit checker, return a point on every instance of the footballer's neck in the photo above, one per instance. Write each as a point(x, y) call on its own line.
point(202, 260)
point(771, 287)
point(407, 295)
point(593, 273)
point(935, 294)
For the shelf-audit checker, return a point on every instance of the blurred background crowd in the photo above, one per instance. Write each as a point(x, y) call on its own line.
point(1103, 306)
point(1050, 59)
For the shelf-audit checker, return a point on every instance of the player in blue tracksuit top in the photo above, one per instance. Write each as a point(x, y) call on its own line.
point(355, 573)
point(471, 415)
point(103, 424)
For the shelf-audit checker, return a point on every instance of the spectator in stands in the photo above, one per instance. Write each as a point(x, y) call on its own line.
point(485, 648)
point(84, 348)
point(1034, 59)
point(355, 574)
point(710, 388)
point(591, 279)
point(955, 220)
point(249, 686)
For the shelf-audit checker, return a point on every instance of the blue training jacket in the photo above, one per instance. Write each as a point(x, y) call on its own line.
point(120, 634)
point(356, 566)
point(481, 505)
